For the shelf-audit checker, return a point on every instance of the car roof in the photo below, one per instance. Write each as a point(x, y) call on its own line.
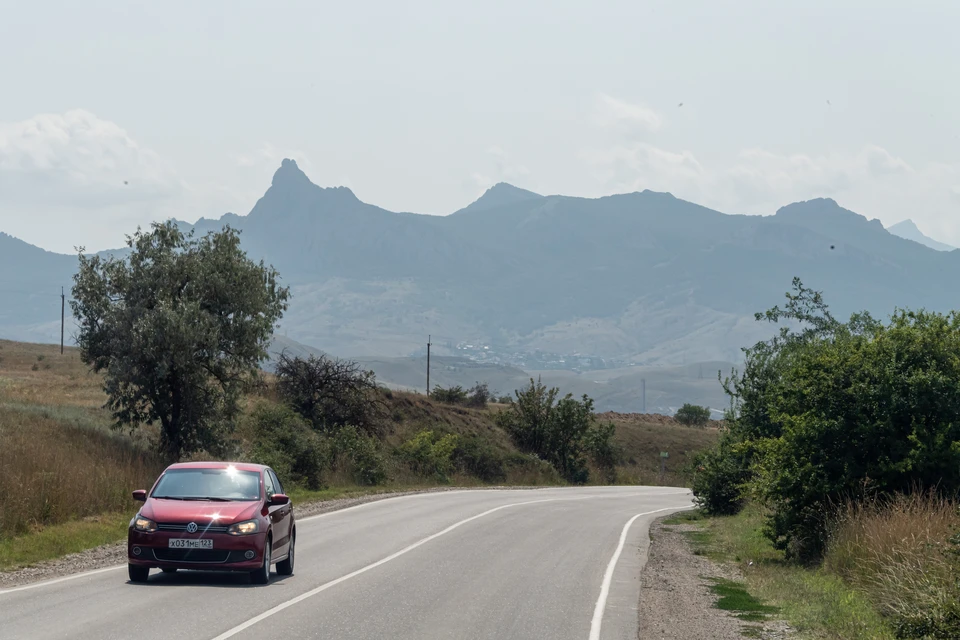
point(242, 466)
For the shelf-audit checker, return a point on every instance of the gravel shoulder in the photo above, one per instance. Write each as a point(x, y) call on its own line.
point(116, 554)
point(675, 601)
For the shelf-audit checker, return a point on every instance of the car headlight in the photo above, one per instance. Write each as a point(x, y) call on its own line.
point(144, 524)
point(244, 528)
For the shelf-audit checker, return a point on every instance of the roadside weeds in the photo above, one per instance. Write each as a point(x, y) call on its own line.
point(686, 594)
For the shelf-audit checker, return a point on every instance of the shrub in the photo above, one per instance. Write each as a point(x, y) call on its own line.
point(450, 395)
point(507, 399)
point(358, 453)
point(599, 443)
point(287, 443)
point(430, 454)
point(331, 393)
point(477, 456)
point(720, 477)
point(552, 429)
point(693, 415)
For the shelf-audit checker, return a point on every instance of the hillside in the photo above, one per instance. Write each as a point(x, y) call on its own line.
point(55, 433)
point(638, 279)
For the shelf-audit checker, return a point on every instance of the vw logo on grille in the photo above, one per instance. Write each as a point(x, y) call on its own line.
point(192, 527)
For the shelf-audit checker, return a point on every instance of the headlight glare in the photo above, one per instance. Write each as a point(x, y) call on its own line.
point(144, 524)
point(244, 528)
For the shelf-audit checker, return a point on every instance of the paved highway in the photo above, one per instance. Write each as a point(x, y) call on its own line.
point(551, 564)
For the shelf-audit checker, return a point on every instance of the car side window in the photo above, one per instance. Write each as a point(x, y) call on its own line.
point(276, 481)
point(268, 483)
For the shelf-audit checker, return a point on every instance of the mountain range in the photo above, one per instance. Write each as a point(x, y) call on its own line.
point(640, 279)
point(908, 229)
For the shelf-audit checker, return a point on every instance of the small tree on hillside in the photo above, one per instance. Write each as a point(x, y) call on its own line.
point(693, 415)
point(178, 328)
point(554, 430)
point(331, 393)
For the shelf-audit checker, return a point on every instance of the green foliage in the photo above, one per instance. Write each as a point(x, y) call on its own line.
point(286, 442)
point(720, 477)
point(598, 442)
point(352, 448)
point(449, 395)
point(476, 456)
point(693, 415)
point(430, 454)
point(553, 429)
point(178, 327)
point(331, 393)
point(477, 396)
point(832, 411)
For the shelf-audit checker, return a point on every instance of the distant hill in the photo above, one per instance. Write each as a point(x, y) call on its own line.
point(908, 229)
point(639, 279)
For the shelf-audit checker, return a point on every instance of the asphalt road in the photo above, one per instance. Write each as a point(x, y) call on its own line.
point(547, 564)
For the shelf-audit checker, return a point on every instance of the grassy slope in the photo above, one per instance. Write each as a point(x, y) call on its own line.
point(66, 476)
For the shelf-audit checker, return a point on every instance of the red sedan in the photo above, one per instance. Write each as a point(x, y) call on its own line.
point(223, 516)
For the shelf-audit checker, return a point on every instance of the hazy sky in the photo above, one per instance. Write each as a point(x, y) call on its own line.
point(419, 106)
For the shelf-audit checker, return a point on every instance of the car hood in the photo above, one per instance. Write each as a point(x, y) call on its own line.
point(185, 511)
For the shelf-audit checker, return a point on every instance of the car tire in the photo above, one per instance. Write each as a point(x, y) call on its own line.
point(169, 569)
point(137, 573)
point(262, 575)
point(285, 567)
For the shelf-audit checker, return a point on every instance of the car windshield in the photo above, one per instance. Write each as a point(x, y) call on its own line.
point(228, 483)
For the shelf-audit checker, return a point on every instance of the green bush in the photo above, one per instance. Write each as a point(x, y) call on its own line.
point(693, 415)
point(359, 453)
point(285, 442)
point(553, 429)
point(603, 449)
point(833, 411)
point(449, 395)
point(479, 458)
point(430, 454)
point(720, 477)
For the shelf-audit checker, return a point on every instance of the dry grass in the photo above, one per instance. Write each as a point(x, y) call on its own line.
point(898, 551)
point(59, 460)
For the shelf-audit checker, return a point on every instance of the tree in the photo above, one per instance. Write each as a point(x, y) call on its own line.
point(693, 415)
point(330, 393)
point(179, 328)
point(553, 429)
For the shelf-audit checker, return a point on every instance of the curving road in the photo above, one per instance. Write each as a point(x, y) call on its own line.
point(545, 564)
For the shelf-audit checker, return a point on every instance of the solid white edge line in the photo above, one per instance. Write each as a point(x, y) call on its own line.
point(47, 583)
point(303, 596)
point(608, 574)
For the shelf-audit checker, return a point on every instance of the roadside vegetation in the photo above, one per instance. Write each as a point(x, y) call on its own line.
point(838, 470)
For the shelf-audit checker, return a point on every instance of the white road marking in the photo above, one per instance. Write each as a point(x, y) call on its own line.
point(47, 583)
point(608, 575)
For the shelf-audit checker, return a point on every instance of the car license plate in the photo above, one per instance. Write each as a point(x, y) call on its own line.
point(184, 543)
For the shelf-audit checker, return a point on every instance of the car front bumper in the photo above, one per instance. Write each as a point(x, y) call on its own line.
point(229, 553)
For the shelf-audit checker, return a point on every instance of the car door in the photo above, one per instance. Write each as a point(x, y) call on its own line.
point(279, 514)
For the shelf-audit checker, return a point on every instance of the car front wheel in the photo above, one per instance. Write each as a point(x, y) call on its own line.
point(262, 575)
point(138, 573)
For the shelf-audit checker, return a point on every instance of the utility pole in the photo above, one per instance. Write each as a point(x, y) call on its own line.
point(428, 366)
point(643, 387)
point(63, 306)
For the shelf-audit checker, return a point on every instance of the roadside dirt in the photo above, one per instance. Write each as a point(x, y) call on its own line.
point(675, 601)
point(116, 554)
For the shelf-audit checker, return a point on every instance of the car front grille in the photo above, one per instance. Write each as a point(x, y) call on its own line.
point(201, 528)
point(210, 556)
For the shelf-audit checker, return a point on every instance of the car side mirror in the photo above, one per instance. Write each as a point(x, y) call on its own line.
point(278, 499)
point(140, 495)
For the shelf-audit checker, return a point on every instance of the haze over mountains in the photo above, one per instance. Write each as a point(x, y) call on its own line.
point(908, 229)
point(640, 279)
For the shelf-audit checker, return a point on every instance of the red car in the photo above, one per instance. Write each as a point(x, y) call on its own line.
point(222, 516)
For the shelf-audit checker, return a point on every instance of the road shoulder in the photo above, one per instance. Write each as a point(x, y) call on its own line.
point(676, 599)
